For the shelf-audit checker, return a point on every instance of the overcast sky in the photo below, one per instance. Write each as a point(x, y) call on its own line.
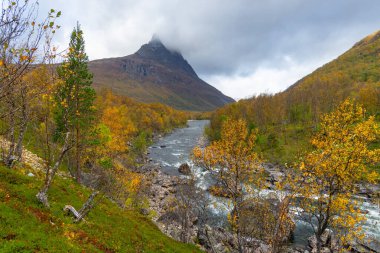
point(242, 47)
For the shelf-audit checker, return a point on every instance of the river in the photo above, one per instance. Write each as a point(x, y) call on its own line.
point(174, 149)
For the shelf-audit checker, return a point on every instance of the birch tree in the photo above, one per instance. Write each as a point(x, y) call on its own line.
point(235, 165)
point(341, 159)
point(25, 41)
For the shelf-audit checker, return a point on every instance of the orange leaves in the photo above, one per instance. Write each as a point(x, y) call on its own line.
point(24, 58)
point(135, 182)
point(124, 131)
point(121, 128)
point(126, 118)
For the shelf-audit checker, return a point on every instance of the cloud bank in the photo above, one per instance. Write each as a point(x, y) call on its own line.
point(242, 47)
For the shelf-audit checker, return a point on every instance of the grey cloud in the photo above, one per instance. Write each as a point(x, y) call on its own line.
point(246, 34)
point(223, 37)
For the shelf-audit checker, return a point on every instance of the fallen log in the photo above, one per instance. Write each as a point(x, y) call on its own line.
point(70, 209)
point(84, 210)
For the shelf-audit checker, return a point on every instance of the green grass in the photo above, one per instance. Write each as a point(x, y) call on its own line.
point(26, 226)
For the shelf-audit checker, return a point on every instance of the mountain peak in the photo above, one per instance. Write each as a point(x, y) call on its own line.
point(157, 74)
point(156, 51)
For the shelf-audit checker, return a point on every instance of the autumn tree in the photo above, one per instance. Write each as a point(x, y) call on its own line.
point(107, 173)
point(53, 152)
point(341, 159)
point(24, 43)
point(235, 165)
point(75, 98)
point(70, 104)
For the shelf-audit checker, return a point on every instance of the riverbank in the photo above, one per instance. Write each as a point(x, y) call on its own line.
point(163, 190)
point(166, 156)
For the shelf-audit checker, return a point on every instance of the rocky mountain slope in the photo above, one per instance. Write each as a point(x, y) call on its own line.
point(157, 74)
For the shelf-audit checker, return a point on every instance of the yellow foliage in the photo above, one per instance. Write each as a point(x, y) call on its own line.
point(121, 128)
point(234, 163)
point(341, 159)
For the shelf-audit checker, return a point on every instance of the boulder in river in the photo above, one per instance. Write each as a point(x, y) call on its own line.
point(329, 242)
point(184, 169)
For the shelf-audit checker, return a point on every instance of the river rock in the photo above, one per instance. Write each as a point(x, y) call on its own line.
point(216, 239)
point(365, 246)
point(212, 239)
point(368, 190)
point(144, 211)
point(162, 189)
point(275, 173)
point(184, 169)
point(329, 242)
point(294, 250)
point(263, 248)
point(169, 218)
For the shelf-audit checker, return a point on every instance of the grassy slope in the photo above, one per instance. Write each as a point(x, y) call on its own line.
point(25, 226)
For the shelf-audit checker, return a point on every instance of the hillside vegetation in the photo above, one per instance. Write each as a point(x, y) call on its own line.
point(25, 226)
point(286, 120)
